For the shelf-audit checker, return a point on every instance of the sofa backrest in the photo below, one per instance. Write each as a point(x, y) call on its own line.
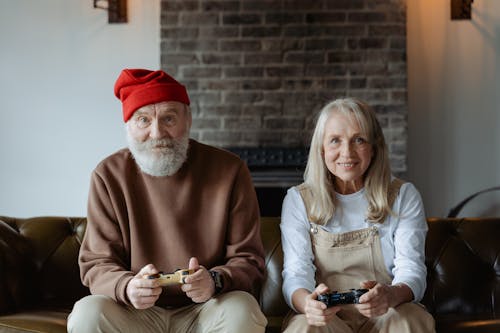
point(41, 257)
point(463, 268)
point(271, 299)
point(38, 264)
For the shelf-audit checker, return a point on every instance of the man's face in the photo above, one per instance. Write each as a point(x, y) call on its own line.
point(158, 137)
point(162, 120)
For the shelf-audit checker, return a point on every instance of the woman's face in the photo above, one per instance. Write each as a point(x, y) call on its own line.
point(346, 152)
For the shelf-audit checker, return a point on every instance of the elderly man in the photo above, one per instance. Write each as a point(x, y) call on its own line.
point(168, 202)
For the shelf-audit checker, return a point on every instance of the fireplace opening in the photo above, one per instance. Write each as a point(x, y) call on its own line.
point(273, 171)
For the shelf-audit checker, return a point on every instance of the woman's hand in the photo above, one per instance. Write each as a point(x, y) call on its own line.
point(381, 297)
point(317, 313)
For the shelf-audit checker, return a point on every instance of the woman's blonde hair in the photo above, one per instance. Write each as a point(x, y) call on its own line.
point(320, 182)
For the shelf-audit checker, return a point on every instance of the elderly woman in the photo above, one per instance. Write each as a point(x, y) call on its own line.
point(352, 225)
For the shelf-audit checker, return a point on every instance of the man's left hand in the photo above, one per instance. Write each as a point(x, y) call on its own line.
point(199, 286)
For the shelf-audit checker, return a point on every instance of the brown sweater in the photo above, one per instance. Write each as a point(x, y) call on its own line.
point(208, 210)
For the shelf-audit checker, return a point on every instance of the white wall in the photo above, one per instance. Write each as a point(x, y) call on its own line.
point(58, 118)
point(454, 101)
point(59, 60)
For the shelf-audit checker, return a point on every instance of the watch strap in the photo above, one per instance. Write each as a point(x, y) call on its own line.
point(218, 281)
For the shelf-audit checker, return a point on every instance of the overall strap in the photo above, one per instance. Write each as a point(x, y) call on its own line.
point(306, 194)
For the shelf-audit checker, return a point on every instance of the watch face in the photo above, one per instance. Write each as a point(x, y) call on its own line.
point(217, 280)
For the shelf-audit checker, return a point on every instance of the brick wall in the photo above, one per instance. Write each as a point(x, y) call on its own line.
point(258, 71)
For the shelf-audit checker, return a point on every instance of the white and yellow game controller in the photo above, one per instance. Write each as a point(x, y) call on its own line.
point(176, 277)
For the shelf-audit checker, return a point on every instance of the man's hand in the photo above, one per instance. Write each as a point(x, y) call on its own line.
point(381, 297)
point(198, 286)
point(316, 312)
point(141, 292)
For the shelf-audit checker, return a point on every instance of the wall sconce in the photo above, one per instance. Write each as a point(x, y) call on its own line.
point(461, 9)
point(117, 9)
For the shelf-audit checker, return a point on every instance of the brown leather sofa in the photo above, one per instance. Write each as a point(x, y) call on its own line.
point(39, 275)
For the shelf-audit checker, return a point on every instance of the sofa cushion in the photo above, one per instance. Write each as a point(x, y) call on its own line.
point(53, 321)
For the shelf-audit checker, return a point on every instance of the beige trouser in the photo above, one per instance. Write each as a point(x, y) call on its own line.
point(235, 311)
point(343, 261)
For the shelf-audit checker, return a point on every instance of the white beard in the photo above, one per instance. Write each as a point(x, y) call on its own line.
point(160, 162)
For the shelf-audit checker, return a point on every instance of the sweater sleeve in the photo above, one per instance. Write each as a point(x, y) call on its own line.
point(409, 242)
point(298, 267)
point(102, 256)
point(244, 265)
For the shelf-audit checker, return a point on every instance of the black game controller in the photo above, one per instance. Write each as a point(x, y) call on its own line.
point(350, 297)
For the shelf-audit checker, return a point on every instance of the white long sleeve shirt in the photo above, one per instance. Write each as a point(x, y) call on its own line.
point(402, 238)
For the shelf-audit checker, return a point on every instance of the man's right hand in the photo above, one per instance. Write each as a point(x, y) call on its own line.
point(143, 293)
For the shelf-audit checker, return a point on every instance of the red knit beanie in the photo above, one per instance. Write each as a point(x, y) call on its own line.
point(139, 87)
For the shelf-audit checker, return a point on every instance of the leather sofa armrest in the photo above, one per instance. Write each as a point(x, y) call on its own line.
point(15, 268)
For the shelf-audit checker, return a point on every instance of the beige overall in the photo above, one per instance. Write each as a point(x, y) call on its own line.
point(343, 261)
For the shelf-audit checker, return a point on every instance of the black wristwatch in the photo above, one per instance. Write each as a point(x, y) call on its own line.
point(219, 283)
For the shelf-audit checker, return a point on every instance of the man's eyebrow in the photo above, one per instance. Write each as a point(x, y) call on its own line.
point(140, 113)
point(170, 110)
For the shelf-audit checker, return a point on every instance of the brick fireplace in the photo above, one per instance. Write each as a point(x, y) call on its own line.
point(258, 71)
